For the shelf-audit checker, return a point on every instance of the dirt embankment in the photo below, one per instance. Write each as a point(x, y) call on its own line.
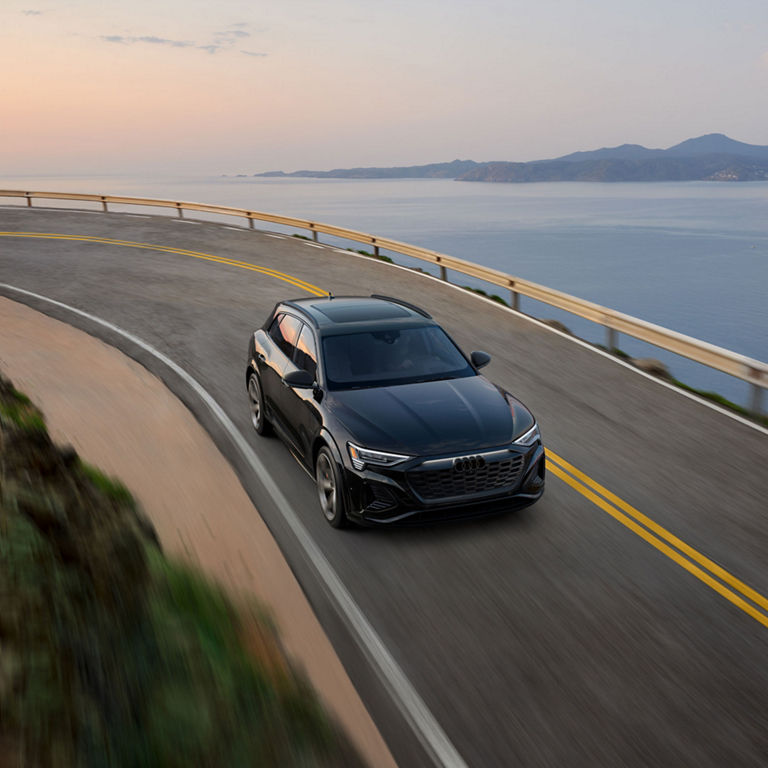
point(112, 654)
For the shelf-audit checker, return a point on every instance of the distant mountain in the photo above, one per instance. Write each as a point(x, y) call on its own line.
point(434, 171)
point(702, 168)
point(713, 157)
point(624, 152)
point(711, 144)
point(717, 144)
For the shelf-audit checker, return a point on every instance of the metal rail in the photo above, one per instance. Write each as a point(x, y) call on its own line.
point(755, 372)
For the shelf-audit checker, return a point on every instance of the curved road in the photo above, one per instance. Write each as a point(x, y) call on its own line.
point(623, 620)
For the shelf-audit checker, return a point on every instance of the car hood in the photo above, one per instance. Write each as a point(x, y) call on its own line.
point(427, 418)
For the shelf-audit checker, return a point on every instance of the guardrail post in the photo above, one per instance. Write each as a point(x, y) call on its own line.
point(180, 210)
point(29, 199)
point(514, 296)
point(314, 235)
point(250, 220)
point(611, 339)
point(375, 247)
point(443, 273)
point(104, 204)
point(756, 400)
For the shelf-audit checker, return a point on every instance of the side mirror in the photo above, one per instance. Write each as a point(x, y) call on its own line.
point(480, 359)
point(299, 379)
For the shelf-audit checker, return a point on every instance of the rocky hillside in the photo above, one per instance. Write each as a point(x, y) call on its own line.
point(700, 168)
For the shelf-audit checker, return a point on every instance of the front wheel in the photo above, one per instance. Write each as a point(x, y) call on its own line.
point(256, 401)
point(330, 489)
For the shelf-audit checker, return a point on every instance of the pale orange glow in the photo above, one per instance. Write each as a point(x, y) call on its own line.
point(302, 85)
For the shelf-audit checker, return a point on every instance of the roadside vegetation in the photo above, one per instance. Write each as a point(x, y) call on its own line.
point(379, 256)
point(721, 401)
point(112, 654)
point(492, 296)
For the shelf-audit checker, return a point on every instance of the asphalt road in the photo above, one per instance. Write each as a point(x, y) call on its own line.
point(555, 636)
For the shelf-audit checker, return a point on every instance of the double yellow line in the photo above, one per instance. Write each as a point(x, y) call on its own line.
point(700, 566)
point(309, 287)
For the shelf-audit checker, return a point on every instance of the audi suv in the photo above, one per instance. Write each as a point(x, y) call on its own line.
point(390, 417)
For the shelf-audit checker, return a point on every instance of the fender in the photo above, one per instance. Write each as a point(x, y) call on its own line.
point(249, 370)
point(327, 438)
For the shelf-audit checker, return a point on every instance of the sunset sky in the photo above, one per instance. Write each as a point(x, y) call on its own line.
point(243, 86)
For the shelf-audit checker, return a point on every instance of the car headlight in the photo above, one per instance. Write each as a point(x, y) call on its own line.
point(529, 437)
point(362, 456)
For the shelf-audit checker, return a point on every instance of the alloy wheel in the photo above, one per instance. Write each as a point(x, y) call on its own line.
point(326, 487)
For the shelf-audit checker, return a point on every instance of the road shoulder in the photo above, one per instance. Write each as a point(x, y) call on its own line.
point(125, 421)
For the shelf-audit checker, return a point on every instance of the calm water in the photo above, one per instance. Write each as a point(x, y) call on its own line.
point(690, 256)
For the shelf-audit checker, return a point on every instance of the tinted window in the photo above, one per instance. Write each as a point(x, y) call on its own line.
point(306, 352)
point(383, 358)
point(274, 329)
point(285, 331)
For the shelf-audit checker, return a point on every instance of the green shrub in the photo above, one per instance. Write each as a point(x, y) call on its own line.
point(112, 654)
point(370, 255)
point(481, 292)
point(109, 486)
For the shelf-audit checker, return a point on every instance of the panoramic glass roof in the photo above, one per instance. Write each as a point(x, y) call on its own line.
point(356, 310)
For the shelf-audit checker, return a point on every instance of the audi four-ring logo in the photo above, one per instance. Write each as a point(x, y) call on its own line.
point(468, 463)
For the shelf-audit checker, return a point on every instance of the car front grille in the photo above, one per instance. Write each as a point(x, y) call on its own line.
point(446, 483)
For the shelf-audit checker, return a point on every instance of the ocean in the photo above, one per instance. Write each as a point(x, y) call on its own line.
point(691, 256)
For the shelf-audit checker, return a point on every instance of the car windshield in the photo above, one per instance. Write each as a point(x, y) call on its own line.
point(388, 357)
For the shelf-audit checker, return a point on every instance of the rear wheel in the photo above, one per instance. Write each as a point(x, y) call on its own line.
point(330, 490)
point(256, 401)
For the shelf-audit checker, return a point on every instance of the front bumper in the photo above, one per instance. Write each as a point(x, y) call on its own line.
point(431, 489)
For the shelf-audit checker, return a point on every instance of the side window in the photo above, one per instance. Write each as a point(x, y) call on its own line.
point(285, 331)
point(274, 329)
point(306, 351)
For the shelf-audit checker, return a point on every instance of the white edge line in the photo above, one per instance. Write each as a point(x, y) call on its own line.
point(277, 237)
point(574, 339)
point(314, 245)
point(408, 701)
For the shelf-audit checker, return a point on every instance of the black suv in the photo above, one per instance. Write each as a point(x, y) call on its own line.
point(392, 419)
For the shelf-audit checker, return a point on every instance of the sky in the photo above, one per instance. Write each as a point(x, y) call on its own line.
point(236, 86)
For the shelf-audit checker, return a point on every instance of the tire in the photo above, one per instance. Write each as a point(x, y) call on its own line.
point(256, 402)
point(330, 490)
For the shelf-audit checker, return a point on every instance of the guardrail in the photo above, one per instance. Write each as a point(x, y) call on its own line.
point(755, 372)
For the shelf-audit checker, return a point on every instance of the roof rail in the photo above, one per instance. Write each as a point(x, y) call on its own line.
point(293, 304)
point(403, 303)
